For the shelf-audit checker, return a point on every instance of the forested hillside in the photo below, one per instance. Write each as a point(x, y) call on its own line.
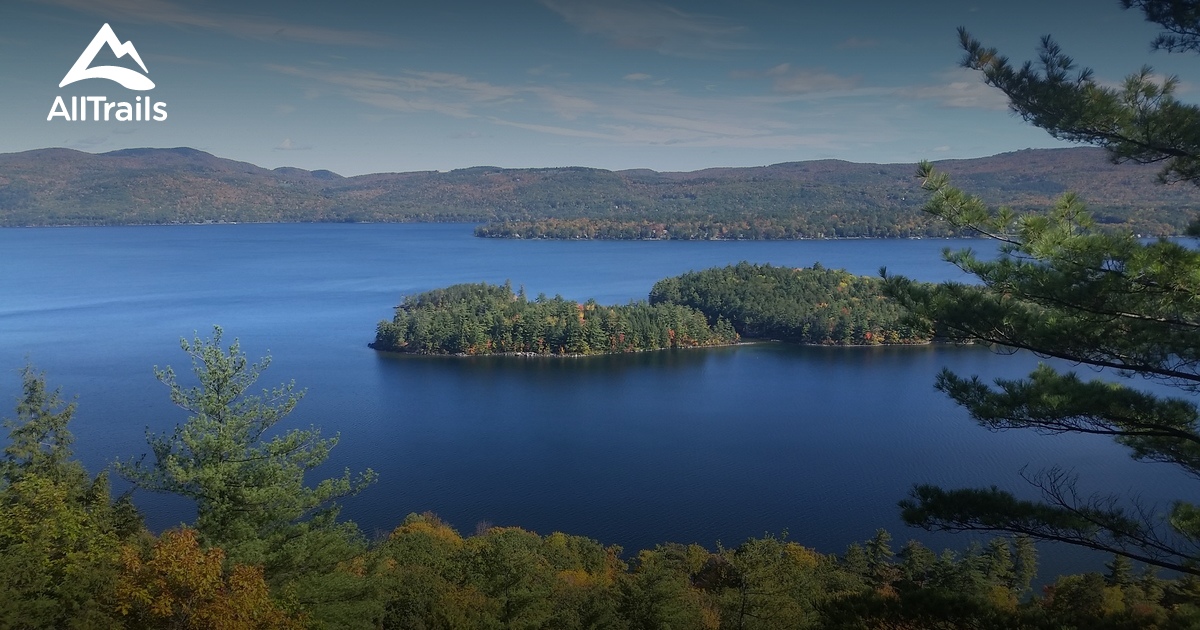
point(817, 199)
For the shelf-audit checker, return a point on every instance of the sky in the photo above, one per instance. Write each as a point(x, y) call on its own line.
point(360, 87)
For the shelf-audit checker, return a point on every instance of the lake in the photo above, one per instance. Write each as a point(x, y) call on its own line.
point(686, 446)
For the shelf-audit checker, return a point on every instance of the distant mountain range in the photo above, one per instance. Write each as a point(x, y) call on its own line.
point(814, 198)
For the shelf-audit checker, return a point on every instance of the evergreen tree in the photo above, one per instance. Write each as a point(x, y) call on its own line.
point(1024, 564)
point(879, 558)
point(1120, 571)
point(998, 566)
point(39, 442)
point(248, 484)
point(855, 560)
point(916, 563)
point(1061, 288)
point(1139, 122)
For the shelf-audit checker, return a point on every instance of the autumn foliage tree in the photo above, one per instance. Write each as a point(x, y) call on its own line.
point(178, 584)
point(60, 531)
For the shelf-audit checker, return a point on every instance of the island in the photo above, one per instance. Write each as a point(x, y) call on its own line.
point(474, 319)
point(714, 307)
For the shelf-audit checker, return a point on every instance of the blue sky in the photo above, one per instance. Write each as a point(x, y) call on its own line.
point(359, 87)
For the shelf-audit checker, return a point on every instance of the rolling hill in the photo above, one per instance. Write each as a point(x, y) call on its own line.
point(824, 198)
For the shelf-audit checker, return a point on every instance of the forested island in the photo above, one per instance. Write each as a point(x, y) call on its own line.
point(488, 319)
point(713, 307)
point(809, 305)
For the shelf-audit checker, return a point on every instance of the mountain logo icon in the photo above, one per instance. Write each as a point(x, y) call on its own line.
point(130, 79)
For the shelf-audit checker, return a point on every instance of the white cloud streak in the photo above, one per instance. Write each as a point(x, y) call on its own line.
point(239, 25)
point(803, 109)
point(959, 88)
point(652, 26)
point(786, 79)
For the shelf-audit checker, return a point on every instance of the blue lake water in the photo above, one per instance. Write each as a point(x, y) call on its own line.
point(687, 446)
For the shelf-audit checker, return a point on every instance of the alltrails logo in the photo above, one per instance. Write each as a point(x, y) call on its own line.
point(141, 109)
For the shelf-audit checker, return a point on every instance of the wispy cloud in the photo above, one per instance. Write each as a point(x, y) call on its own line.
point(397, 103)
point(240, 25)
point(958, 88)
point(288, 145)
point(439, 92)
point(811, 80)
point(854, 43)
point(565, 105)
point(638, 112)
point(652, 26)
point(571, 132)
point(786, 79)
point(653, 116)
point(637, 76)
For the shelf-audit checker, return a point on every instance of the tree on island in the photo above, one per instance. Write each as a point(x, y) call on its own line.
point(1063, 289)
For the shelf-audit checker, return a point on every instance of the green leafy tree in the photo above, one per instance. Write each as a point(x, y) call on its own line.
point(1062, 288)
point(658, 594)
point(779, 584)
point(60, 533)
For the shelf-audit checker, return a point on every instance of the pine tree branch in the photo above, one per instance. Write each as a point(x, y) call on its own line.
point(1062, 520)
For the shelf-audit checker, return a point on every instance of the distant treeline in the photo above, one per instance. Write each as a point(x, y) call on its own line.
point(817, 199)
point(704, 308)
point(813, 306)
point(767, 225)
point(731, 227)
point(490, 319)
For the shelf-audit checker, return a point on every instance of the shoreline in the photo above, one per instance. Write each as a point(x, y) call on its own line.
point(751, 342)
point(535, 355)
point(535, 238)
